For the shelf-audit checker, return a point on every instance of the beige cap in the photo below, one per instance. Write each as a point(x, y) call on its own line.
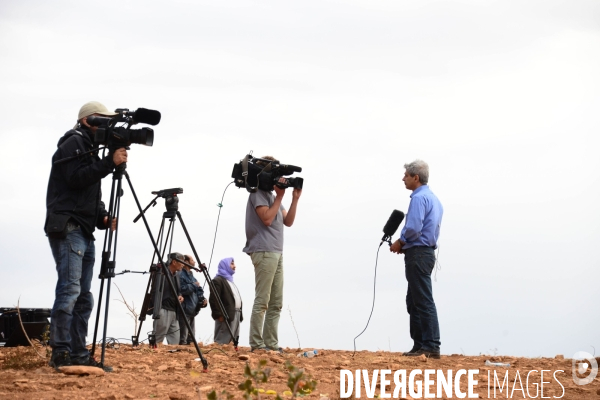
point(94, 107)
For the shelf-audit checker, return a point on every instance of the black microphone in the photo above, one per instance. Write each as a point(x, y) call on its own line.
point(290, 168)
point(145, 116)
point(391, 226)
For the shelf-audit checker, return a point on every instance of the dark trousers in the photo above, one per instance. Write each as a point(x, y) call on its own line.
point(424, 326)
point(185, 337)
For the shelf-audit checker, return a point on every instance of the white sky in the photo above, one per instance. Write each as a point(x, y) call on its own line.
point(500, 98)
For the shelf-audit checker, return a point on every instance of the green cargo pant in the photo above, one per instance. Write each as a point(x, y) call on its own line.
point(268, 296)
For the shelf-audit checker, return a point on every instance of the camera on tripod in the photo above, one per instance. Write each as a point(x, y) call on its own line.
point(113, 136)
point(255, 173)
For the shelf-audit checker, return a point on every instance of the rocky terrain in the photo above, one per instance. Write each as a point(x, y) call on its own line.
point(172, 372)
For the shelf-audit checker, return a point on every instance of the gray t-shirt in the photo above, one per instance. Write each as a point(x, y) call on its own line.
point(258, 236)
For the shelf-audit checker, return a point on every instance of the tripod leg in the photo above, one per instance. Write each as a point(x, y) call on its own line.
point(210, 283)
point(103, 267)
point(97, 318)
point(108, 270)
point(202, 359)
point(153, 269)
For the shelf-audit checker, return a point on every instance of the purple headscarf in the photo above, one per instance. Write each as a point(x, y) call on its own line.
point(225, 269)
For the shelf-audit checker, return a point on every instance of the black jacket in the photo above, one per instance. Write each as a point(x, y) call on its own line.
point(224, 291)
point(74, 185)
point(170, 300)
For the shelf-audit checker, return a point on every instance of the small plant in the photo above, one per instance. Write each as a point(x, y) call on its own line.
point(221, 396)
point(133, 313)
point(299, 383)
point(45, 340)
point(254, 377)
point(23, 358)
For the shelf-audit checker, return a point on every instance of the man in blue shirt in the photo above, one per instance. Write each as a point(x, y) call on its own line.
point(417, 242)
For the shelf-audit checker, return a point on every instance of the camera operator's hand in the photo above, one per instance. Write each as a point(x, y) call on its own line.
point(114, 223)
point(120, 156)
point(221, 319)
point(204, 303)
point(396, 247)
point(180, 298)
point(296, 194)
point(279, 192)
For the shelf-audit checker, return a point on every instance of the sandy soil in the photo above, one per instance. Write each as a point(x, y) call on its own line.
point(144, 373)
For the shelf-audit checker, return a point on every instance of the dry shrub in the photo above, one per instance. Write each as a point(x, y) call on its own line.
point(23, 358)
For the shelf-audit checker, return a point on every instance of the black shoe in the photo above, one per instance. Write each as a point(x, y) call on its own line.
point(427, 353)
point(90, 362)
point(60, 359)
point(415, 348)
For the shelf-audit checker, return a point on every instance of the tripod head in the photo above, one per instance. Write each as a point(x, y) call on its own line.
point(168, 192)
point(170, 196)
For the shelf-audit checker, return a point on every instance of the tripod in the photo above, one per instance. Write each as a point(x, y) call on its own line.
point(172, 213)
point(109, 255)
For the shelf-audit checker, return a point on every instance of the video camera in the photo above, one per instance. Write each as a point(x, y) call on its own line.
point(113, 136)
point(255, 173)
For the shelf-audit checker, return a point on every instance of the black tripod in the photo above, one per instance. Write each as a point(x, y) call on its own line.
point(109, 255)
point(172, 206)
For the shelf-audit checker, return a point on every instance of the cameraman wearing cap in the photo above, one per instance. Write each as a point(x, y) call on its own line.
point(73, 210)
point(265, 218)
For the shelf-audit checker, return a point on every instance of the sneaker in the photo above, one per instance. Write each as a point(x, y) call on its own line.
point(277, 350)
point(427, 353)
point(90, 362)
point(60, 359)
point(259, 350)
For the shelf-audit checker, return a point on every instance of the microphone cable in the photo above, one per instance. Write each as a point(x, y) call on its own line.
point(220, 205)
point(373, 306)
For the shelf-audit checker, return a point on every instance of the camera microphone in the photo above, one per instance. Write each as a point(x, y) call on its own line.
point(141, 115)
point(145, 116)
point(391, 226)
point(290, 168)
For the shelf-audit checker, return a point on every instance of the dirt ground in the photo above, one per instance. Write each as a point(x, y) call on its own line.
point(144, 373)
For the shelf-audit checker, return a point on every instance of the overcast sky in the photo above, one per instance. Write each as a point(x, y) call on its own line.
point(501, 98)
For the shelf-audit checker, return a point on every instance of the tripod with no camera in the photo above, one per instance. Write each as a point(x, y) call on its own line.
point(157, 273)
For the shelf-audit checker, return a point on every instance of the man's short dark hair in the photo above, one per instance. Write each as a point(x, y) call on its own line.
point(176, 256)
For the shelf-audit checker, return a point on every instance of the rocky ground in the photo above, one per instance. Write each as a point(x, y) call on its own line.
point(171, 372)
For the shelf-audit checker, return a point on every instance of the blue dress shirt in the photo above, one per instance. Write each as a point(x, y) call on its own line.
point(423, 220)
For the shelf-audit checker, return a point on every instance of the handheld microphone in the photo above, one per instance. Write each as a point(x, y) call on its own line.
point(391, 226)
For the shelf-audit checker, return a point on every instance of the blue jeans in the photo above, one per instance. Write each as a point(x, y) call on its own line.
point(73, 304)
point(424, 326)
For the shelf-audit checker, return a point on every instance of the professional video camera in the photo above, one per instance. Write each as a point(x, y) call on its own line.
point(114, 136)
point(255, 173)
